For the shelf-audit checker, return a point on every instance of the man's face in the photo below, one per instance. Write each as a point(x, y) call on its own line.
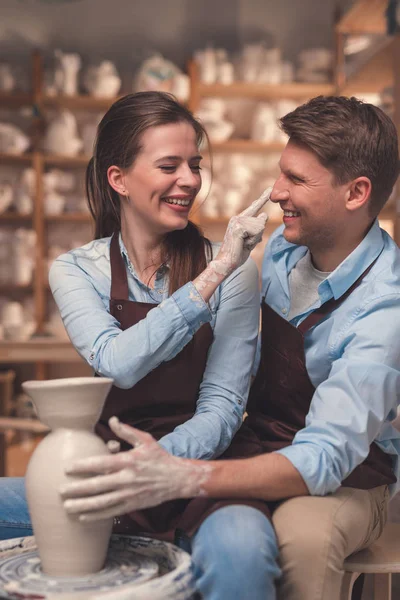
point(313, 205)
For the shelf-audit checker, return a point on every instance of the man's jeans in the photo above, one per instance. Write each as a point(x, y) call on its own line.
point(234, 550)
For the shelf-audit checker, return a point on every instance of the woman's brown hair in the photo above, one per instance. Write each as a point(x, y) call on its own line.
point(118, 142)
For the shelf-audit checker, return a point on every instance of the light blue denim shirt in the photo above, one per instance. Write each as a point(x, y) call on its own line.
point(80, 282)
point(352, 359)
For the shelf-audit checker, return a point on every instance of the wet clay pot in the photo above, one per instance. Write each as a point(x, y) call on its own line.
point(71, 408)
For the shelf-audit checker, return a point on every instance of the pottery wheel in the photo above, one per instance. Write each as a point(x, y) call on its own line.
point(21, 572)
point(129, 565)
point(136, 567)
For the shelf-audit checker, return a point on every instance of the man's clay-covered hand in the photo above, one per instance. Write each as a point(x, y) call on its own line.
point(139, 478)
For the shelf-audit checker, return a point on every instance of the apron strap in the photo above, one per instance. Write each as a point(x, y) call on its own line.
point(328, 306)
point(119, 279)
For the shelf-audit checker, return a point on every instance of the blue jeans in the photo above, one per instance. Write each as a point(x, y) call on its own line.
point(234, 550)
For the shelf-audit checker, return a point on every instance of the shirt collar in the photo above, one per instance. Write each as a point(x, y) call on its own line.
point(348, 271)
point(160, 272)
point(355, 264)
point(293, 252)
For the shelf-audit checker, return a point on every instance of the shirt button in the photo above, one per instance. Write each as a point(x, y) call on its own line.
point(284, 310)
point(91, 356)
point(240, 402)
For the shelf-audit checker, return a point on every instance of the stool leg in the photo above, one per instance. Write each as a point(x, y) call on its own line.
point(358, 588)
point(347, 585)
point(382, 586)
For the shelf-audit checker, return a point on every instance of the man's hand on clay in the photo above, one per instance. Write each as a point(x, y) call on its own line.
point(139, 478)
point(244, 232)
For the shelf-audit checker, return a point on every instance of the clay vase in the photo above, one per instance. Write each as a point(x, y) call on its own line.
point(70, 408)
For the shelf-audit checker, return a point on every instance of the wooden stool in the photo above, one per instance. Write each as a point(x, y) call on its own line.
point(381, 559)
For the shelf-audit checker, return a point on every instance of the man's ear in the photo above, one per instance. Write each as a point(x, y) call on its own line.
point(358, 193)
point(115, 178)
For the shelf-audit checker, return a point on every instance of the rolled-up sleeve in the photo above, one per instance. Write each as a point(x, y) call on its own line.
point(350, 407)
point(225, 385)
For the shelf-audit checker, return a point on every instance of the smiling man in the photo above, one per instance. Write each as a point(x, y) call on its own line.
point(327, 380)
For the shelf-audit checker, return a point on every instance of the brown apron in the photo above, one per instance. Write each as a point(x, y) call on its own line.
point(165, 398)
point(281, 394)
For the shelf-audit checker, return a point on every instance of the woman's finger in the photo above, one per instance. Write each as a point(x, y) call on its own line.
point(252, 242)
point(257, 205)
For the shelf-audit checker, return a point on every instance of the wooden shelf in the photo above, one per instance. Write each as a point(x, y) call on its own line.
point(69, 218)
point(375, 73)
point(261, 91)
point(61, 160)
point(49, 349)
point(79, 102)
point(246, 146)
point(13, 217)
point(6, 288)
point(365, 16)
point(18, 159)
point(15, 99)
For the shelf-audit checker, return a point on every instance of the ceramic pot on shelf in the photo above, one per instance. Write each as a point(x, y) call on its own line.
point(71, 408)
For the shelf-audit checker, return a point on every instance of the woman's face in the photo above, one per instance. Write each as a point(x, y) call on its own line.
point(164, 179)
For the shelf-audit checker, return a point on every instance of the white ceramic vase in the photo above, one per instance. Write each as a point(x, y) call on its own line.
point(71, 408)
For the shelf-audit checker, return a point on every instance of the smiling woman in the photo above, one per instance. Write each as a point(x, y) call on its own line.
point(159, 189)
point(145, 160)
point(170, 317)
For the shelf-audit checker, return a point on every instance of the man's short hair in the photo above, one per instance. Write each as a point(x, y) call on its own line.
point(350, 138)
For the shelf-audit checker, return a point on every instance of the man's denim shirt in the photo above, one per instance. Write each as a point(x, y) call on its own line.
point(352, 359)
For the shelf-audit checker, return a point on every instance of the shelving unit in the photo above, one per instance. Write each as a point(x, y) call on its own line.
point(69, 218)
point(77, 102)
point(250, 91)
point(246, 146)
point(365, 17)
point(379, 70)
point(41, 349)
point(19, 99)
point(254, 91)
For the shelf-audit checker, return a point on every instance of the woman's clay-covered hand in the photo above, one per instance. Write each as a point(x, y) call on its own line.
point(244, 232)
point(139, 478)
